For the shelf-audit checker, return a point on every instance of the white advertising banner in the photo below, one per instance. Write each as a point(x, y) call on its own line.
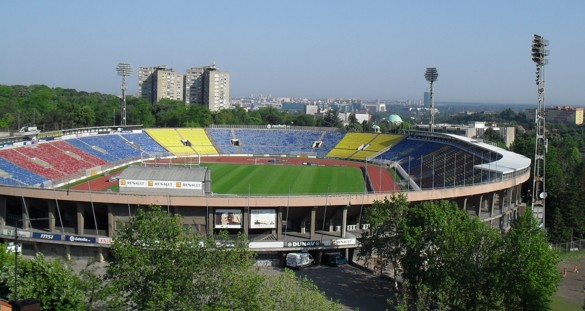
point(263, 219)
point(344, 242)
point(271, 244)
point(191, 185)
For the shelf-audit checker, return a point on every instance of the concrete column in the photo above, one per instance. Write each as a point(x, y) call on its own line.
point(344, 221)
point(210, 221)
point(312, 235)
point(479, 205)
point(464, 203)
point(67, 252)
point(25, 218)
point(501, 203)
point(100, 255)
point(246, 220)
point(80, 218)
point(52, 209)
point(279, 223)
point(2, 212)
point(111, 220)
point(510, 196)
point(491, 203)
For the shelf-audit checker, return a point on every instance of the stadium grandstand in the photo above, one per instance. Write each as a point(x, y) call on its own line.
point(69, 191)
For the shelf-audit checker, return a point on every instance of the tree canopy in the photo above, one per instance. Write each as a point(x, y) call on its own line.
point(452, 261)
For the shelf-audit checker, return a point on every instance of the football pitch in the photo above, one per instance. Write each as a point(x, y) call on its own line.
point(244, 179)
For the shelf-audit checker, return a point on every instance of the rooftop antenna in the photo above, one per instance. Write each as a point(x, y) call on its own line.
point(124, 70)
point(539, 194)
point(431, 75)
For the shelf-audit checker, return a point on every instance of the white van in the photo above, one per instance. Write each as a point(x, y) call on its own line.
point(298, 260)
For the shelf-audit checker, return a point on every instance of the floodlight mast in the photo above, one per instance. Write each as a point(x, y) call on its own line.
point(431, 75)
point(539, 194)
point(124, 70)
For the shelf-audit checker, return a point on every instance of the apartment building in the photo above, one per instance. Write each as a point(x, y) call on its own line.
point(216, 90)
point(156, 83)
point(561, 114)
point(200, 85)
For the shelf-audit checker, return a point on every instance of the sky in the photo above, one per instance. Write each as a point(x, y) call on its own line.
point(303, 48)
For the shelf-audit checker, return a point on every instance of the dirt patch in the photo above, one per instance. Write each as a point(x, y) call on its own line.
point(98, 184)
point(571, 285)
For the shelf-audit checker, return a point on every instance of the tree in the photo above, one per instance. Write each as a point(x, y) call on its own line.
point(451, 257)
point(331, 119)
point(354, 125)
point(50, 281)
point(383, 239)
point(305, 120)
point(293, 293)
point(528, 266)
point(494, 136)
point(156, 263)
point(139, 111)
point(198, 116)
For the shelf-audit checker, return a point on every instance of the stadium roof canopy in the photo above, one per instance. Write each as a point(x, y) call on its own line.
point(508, 163)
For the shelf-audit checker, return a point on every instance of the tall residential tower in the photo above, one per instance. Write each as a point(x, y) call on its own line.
point(203, 85)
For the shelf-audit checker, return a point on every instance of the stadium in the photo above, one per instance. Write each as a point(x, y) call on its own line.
point(287, 188)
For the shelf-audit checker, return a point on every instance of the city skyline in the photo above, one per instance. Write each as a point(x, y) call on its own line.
point(325, 49)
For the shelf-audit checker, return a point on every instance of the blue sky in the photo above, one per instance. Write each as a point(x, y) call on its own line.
point(303, 48)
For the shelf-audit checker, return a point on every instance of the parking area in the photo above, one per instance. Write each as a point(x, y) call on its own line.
point(354, 288)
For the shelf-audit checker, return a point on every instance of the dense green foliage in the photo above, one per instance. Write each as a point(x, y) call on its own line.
point(157, 264)
point(454, 262)
point(57, 108)
point(51, 282)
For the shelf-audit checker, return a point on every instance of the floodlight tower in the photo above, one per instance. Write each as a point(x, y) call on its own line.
point(431, 75)
point(124, 70)
point(539, 194)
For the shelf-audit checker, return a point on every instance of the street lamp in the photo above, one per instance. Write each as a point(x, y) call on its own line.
point(124, 70)
point(431, 75)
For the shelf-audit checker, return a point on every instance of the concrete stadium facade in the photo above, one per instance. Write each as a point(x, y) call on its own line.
point(316, 223)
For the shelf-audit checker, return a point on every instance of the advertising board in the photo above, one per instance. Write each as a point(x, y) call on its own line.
point(263, 219)
point(228, 219)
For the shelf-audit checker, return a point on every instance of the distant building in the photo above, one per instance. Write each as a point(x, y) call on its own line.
point(565, 114)
point(156, 83)
point(427, 99)
point(204, 86)
point(361, 117)
point(301, 108)
point(472, 130)
point(216, 89)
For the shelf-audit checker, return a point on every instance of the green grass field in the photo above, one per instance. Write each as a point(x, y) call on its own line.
point(277, 179)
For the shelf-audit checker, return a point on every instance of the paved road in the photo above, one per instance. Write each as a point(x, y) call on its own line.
point(351, 286)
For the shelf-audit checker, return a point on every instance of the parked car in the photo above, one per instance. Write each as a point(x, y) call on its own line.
point(334, 259)
point(10, 248)
point(299, 260)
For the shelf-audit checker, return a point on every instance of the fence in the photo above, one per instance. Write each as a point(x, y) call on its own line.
point(572, 246)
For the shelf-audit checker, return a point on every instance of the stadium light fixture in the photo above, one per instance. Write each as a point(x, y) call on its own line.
point(431, 75)
point(539, 54)
point(124, 70)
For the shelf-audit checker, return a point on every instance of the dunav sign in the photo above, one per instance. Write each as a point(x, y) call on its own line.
point(303, 244)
